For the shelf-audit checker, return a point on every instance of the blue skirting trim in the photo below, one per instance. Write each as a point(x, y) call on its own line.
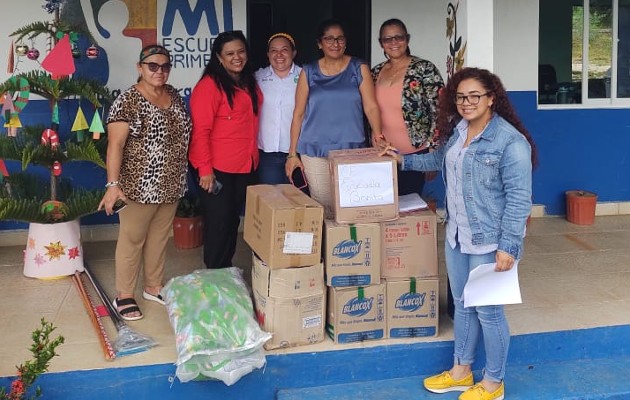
point(304, 370)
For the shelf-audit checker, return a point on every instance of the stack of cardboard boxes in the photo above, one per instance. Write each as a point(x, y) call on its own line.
point(283, 227)
point(376, 259)
point(380, 266)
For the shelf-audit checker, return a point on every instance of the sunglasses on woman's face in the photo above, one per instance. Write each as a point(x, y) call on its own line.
point(153, 67)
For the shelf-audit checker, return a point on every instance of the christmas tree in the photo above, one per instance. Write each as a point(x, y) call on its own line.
point(26, 196)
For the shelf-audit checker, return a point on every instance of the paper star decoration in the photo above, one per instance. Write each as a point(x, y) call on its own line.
point(73, 253)
point(55, 251)
point(39, 259)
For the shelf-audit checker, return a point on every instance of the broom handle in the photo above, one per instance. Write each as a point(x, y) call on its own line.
point(106, 345)
point(113, 313)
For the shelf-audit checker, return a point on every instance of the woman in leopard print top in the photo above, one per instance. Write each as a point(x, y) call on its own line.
point(148, 132)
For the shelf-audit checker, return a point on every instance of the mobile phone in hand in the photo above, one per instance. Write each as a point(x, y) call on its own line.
point(298, 179)
point(118, 206)
point(216, 187)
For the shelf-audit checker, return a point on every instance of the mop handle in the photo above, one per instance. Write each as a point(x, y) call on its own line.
point(106, 345)
point(113, 313)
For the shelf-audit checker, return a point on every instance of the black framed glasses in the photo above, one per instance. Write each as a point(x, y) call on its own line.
point(473, 99)
point(153, 67)
point(395, 38)
point(330, 40)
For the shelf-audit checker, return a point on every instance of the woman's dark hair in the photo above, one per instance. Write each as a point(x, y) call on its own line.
point(327, 24)
point(398, 23)
point(448, 117)
point(223, 79)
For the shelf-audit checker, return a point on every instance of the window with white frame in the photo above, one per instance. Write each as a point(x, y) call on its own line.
point(584, 52)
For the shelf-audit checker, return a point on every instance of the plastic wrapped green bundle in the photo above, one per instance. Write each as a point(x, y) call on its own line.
point(212, 316)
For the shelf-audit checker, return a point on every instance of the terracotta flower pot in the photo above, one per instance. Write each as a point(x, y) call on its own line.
point(188, 232)
point(581, 207)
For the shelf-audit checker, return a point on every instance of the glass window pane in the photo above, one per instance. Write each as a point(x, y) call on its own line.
point(623, 50)
point(599, 48)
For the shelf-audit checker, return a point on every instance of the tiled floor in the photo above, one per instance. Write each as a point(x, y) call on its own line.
point(572, 277)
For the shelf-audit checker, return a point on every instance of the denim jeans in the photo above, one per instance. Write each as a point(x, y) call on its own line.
point(271, 168)
point(473, 322)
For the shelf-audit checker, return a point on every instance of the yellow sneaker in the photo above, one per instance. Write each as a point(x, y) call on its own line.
point(478, 392)
point(444, 382)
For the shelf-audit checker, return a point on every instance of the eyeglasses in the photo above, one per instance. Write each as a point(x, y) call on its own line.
point(330, 40)
point(153, 67)
point(473, 99)
point(392, 39)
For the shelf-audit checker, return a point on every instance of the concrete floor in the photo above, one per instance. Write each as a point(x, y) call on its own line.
point(572, 277)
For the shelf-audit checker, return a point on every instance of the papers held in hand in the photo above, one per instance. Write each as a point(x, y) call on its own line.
point(411, 202)
point(486, 287)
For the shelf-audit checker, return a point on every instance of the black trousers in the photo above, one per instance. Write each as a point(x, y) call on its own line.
point(221, 217)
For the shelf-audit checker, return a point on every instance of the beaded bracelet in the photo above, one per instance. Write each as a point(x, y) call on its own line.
point(110, 184)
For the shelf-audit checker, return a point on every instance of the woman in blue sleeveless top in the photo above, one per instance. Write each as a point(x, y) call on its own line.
point(332, 95)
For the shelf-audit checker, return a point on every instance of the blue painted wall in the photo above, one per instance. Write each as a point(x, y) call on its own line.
point(584, 149)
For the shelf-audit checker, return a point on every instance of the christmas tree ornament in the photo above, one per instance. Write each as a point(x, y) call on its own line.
point(52, 5)
point(21, 49)
point(80, 125)
point(13, 124)
point(8, 108)
point(11, 60)
point(23, 94)
point(56, 168)
point(50, 138)
point(92, 52)
point(96, 127)
point(59, 61)
point(32, 54)
point(76, 52)
point(54, 210)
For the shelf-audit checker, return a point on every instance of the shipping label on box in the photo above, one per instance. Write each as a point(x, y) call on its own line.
point(292, 322)
point(412, 308)
point(409, 246)
point(352, 253)
point(287, 282)
point(356, 314)
point(283, 226)
point(364, 186)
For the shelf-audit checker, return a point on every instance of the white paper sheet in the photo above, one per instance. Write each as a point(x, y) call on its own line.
point(487, 287)
point(298, 243)
point(410, 202)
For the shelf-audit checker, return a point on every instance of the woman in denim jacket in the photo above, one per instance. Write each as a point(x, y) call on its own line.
point(486, 157)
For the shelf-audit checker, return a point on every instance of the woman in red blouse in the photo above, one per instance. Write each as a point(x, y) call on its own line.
point(223, 151)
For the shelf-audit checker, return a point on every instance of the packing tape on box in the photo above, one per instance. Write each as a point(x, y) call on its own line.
point(299, 216)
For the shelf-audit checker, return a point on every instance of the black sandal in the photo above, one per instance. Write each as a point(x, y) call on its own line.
point(133, 307)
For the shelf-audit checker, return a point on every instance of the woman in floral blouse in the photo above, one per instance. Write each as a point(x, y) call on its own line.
point(407, 94)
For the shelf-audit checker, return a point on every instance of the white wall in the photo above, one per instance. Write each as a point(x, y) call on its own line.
point(426, 23)
point(516, 43)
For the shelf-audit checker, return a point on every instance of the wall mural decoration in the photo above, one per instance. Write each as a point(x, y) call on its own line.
point(457, 52)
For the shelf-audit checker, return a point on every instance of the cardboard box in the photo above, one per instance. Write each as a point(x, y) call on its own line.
point(412, 308)
point(287, 283)
point(283, 226)
point(409, 246)
point(290, 303)
point(356, 314)
point(364, 186)
point(352, 253)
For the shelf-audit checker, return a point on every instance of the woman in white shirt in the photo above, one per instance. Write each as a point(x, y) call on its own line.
point(277, 82)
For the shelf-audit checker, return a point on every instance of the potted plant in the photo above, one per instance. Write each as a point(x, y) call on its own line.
point(52, 208)
point(188, 222)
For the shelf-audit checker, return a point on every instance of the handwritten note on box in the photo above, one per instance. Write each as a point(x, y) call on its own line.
point(366, 184)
